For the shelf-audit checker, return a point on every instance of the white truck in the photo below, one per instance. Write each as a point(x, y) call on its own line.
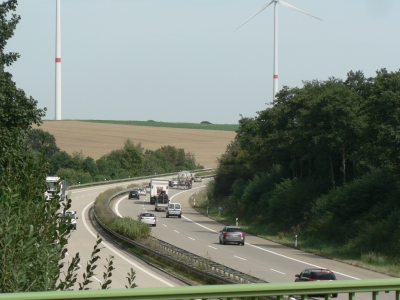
point(185, 179)
point(156, 186)
point(51, 182)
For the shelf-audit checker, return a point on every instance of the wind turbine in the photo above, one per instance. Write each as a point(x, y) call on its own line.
point(58, 62)
point(275, 83)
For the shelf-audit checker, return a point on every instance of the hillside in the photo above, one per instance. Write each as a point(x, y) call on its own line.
point(97, 139)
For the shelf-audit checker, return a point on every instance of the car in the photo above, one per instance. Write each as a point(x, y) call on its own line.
point(147, 188)
point(147, 218)
point(316, 274)
point(142, 191)
point(69, 217)
point(134, 194)
point(198, 179)
point(232, 234)
point(174, 209)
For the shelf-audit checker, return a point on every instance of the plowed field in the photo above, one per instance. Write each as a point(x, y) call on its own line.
point(97, 139)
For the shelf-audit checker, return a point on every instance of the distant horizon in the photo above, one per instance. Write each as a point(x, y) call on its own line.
point(150, 123)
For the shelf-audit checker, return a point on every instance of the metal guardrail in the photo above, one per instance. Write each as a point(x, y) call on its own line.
point(278, 290)
point(76, 186)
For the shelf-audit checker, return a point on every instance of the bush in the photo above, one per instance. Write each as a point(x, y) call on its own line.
point(131, 228)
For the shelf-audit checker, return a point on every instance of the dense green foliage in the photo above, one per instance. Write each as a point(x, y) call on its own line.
point(202, 125)
point(33, 237)
point(130, 161)
point(31, 243)
point(323, 160)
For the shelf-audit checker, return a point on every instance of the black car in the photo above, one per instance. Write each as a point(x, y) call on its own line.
point(134, 194)
point(316, 275)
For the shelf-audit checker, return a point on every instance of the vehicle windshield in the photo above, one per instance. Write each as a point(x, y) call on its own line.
point(147, 215)
point(234, 229)
point(322, 276)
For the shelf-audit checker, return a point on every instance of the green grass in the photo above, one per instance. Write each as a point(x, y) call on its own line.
point(371, 261)
point(225, 127)
point(204, 173)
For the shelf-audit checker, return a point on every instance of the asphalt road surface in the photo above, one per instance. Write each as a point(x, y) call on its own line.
point(83, 239)
point(269, 261)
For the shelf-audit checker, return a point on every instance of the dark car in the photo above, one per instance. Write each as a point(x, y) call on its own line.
point(231, 234)
point(316, 275)
point(134, 194)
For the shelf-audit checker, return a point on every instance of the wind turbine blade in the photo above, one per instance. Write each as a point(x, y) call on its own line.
point(295, 8)
point(260, 10)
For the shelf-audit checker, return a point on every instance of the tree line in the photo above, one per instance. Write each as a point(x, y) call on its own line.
point(130, 161)
point(323, 160)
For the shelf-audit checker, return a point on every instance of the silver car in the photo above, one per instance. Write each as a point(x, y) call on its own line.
point(147, 218)
point(232, 234)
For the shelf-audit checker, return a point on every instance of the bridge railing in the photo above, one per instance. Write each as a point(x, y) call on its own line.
point(277, 291)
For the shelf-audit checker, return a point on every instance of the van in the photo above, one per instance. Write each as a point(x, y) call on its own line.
point(174, 209)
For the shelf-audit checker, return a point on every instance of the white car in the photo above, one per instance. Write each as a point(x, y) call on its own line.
point(69, 218)
point(147, 218)
point(147, 188)
point(142, 192)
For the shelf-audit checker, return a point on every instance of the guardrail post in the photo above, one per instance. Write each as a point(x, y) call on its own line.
point(327, 296)
point(375, 295)
point(352, 296)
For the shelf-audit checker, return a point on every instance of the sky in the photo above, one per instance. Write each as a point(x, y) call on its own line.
point(181, 61)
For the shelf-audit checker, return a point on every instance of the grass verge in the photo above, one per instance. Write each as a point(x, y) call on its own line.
point(367, 260)
point(126, 226)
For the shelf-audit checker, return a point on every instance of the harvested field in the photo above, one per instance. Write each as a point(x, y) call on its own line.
point(97, 139)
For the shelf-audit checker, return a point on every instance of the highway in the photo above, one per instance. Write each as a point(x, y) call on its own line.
point(83, 239)
point(259, 257)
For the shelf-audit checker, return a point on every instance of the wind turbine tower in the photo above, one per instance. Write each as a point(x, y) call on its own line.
point(58, 62)
point(275, 71)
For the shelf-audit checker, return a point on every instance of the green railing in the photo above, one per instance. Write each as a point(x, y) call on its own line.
point(232, 291)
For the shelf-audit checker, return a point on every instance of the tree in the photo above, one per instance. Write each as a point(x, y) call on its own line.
point(60, 160)
point(32, 239)
point(40, 140)
point(89, 165)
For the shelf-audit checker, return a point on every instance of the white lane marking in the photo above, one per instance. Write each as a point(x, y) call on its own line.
point(239, 257)
point(176, 231)
point(199, 224)
point(120, 255)
point(97, 279)
point(191, 238)
point(165, 225)
point(116, 206)
point(278, 271)
point(212, 247)
point(281, 255)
